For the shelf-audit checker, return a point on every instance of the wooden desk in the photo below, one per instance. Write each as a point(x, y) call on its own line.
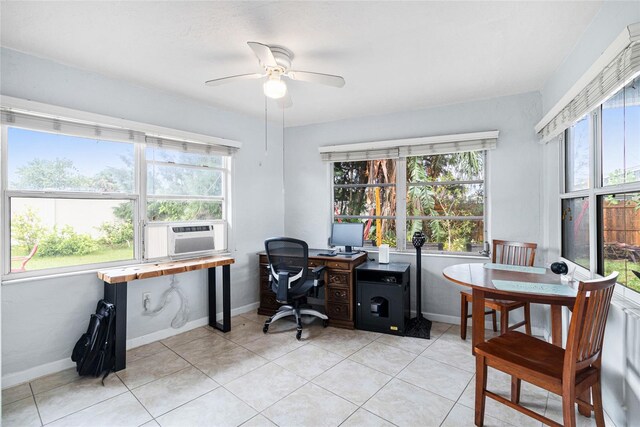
point(115, 291)
point(480, 280)
point(339, 291)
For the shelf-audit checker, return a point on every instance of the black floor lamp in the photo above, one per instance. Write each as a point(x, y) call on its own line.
point(419, 327)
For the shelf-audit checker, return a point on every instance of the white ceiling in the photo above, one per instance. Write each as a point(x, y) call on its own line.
point(395, 56)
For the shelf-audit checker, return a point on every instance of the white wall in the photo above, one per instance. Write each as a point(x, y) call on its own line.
point(621, 359)
point(513, 177)
point(605, 27)
point(42, 319)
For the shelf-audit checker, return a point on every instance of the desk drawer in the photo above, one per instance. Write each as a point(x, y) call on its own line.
point(340, 295)
point(338, 265)
point(268, 300)
point(314, 263)
point(338, 279)
point(264, 284)
point(338, 311)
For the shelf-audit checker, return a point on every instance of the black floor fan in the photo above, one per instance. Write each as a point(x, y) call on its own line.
point(419, 327)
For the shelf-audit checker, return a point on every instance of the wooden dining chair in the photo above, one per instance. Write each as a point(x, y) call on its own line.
point(504, 252)
point(573, 373)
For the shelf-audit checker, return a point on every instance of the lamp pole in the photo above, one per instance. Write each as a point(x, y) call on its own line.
point(419, 327)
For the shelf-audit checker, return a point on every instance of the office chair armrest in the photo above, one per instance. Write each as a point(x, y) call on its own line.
point(318, 272)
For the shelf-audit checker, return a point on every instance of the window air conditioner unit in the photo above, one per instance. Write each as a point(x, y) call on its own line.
point(185, 240)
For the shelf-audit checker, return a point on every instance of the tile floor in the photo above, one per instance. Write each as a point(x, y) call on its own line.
point(332, 377)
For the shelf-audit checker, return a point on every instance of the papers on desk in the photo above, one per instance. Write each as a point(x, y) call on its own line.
point(518, 268)
point(535, 288)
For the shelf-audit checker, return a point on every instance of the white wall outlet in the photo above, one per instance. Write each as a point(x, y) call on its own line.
point(146, 301)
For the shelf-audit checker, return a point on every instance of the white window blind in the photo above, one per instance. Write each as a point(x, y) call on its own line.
point(69, 127)
point(34, 115)
point(189, 146)
point(430, 145)
point(616, 67)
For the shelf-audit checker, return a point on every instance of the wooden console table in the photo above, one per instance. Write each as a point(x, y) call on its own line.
point(339, 290)
point(115, 292)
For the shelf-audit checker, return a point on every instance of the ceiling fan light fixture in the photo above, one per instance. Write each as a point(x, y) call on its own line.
point(274, 87)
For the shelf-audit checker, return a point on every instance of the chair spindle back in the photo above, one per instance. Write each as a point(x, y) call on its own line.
point(588, 322)
point(514, 253)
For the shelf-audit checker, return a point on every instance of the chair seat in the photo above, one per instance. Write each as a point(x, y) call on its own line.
point(532, 359)
point(496, 304)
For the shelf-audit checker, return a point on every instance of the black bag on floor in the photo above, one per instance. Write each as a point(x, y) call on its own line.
point(93, 353)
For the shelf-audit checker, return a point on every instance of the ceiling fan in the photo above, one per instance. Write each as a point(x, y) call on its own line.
point(276, 61)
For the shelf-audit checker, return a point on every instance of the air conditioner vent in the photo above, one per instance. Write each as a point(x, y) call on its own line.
point(188, 240)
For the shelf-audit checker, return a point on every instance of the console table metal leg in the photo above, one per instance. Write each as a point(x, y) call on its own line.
point(225, 326)
point(116, 294)
point(226, 298)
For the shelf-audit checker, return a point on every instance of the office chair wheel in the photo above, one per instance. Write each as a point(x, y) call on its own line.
point(265, 328)
point(299, 335)
point(325, 323)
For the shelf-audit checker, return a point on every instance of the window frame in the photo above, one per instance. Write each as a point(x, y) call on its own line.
point(138, 198)
point(593, 193)
point(401, 217)
point(225, 170)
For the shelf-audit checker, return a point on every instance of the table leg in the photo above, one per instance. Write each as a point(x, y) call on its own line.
point(116, 294)
point(477, 318)
point(556, 325)
point(225, 326)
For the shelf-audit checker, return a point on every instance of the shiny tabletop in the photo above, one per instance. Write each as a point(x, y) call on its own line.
point(480, 280)
point(476, 275)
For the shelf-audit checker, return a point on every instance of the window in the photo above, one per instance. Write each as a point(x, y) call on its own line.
point(80, 195)
point(71, 200)
point(577, 155)
point(612, 132)
point(366, 191)
point(184, 186)
point(444, 199)
point(575, 230)
point(620, 237)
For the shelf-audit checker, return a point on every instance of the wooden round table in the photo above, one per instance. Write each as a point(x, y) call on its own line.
point(480, 280)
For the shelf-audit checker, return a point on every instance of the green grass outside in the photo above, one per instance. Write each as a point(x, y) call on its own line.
point(626, 276)
point(104, 254)
point(623, 267)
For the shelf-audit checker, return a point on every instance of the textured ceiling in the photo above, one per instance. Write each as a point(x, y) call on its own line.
point(395, 56)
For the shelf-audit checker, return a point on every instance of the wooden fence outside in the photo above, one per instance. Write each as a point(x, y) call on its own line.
point(621, 223)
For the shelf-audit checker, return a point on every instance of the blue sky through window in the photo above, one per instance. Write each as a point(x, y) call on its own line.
point(89, 156)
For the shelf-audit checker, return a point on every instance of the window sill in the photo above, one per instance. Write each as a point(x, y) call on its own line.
point(436, 254)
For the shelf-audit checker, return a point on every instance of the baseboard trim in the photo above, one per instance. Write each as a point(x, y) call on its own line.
point(9, 380)
point(15, 378)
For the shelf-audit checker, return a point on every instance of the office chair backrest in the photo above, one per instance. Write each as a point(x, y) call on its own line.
point(513, 253)
point(588, 321)
point(289, 257)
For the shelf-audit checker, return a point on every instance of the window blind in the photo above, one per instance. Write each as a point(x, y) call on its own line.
point(189, 146)
point(430, 145)
point(598, 84)
point(69, 127)
point(84, 129)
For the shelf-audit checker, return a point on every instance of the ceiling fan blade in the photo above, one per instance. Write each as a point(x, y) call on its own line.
point(325, 79)
point(285, 101)
point(264, 54)
point(231, 79)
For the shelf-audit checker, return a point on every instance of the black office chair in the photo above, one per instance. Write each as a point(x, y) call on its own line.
point(288, 275)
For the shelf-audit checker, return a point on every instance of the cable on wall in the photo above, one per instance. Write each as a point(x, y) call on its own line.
point(182, 316)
